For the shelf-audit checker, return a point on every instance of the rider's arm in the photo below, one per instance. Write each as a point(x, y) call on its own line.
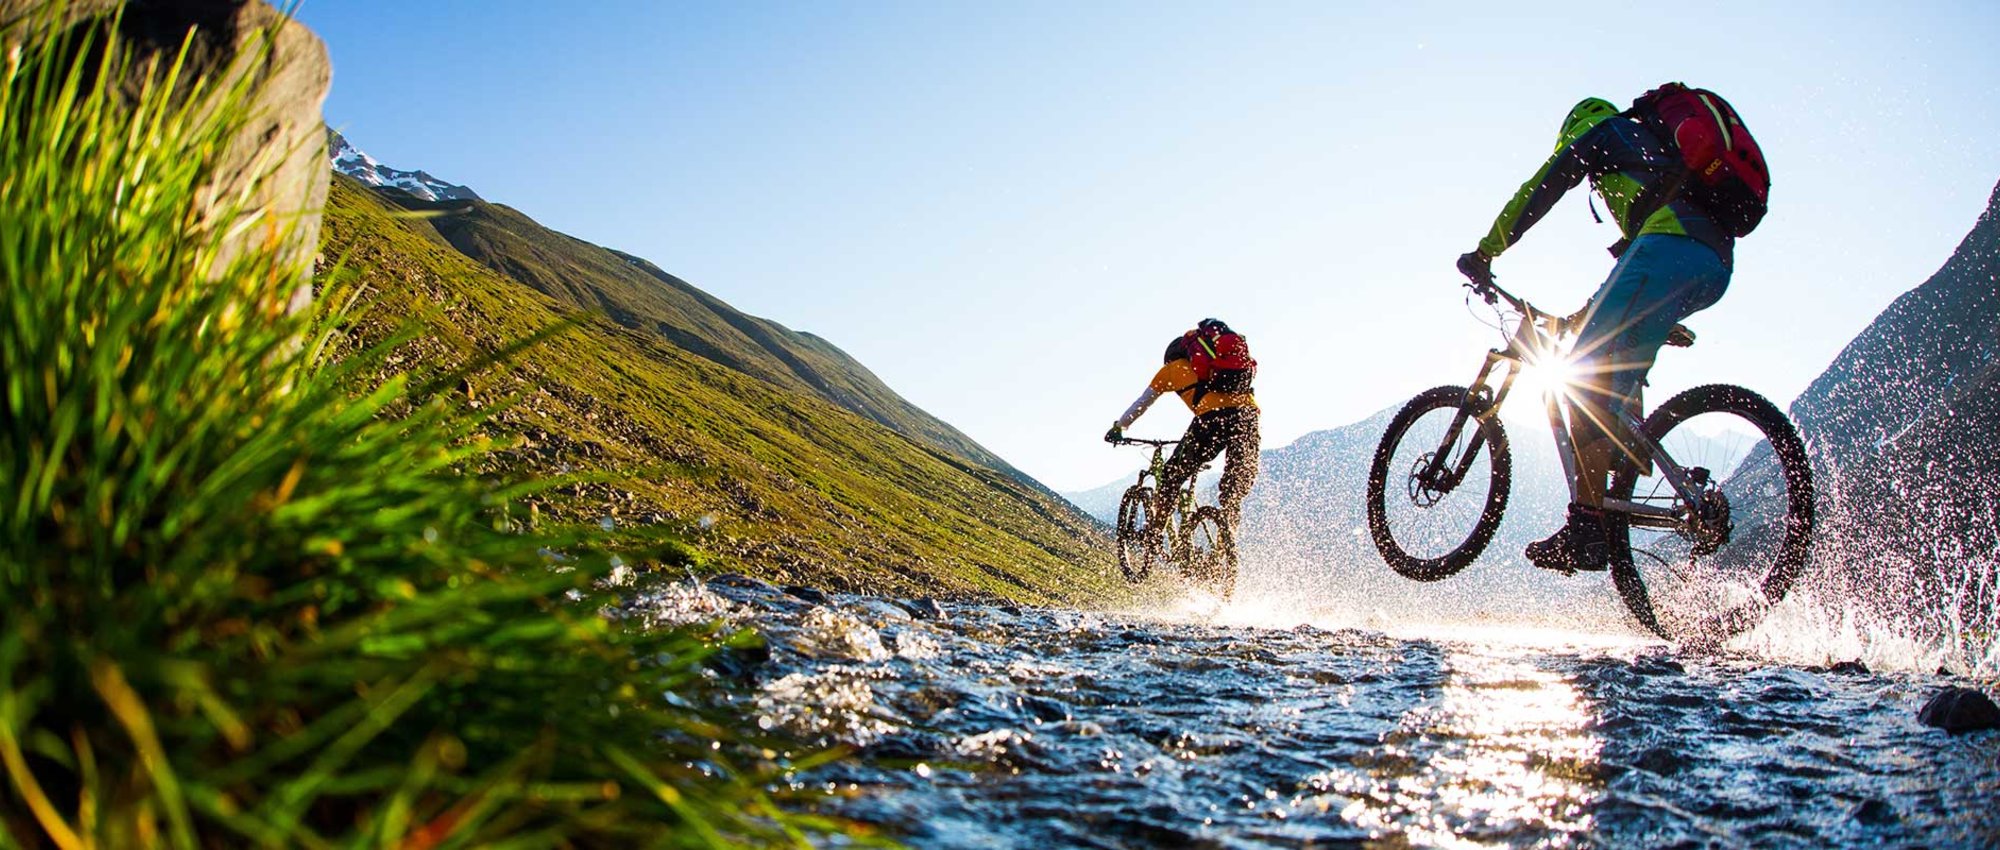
point(1172, 378)
point(1561, 173)
point(1138, 408)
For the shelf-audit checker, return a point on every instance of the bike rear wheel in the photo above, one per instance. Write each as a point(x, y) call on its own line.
point(1209, 552)
point(1429, 528)
point(1714, 573)
point(1133, 526)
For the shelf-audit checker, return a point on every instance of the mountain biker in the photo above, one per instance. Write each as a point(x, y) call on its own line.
point(1672, 262)
point(1207, 368)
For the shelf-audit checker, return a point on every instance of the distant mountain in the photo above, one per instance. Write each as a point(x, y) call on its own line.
point(353, 162)
point(766, 475)
point(1102, 501)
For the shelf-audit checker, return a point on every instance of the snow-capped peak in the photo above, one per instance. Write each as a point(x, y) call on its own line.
point(355, 163)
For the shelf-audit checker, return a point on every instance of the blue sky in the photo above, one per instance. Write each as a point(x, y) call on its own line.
point(1007, 209)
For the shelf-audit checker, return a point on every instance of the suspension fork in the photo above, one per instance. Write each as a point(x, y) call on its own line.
point(1437, 474)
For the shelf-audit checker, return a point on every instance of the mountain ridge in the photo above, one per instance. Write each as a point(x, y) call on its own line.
point(356, 163)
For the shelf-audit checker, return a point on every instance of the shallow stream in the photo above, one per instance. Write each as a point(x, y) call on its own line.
point(1003, 727)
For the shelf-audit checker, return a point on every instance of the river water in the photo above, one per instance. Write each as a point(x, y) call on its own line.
point(1192, 724)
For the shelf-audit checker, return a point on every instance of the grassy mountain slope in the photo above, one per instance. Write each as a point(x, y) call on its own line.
point(639, 295)
point(771, 479)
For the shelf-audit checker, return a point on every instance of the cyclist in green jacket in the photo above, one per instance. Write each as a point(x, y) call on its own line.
point(1673, 261)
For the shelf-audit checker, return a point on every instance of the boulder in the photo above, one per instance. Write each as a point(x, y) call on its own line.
point(280, 154)
point(1958, 710)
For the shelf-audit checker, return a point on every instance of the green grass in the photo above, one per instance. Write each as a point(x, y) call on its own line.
point(797, 488)
point(256, 595)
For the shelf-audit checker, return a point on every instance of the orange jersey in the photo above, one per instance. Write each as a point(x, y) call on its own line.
point(1178, 377)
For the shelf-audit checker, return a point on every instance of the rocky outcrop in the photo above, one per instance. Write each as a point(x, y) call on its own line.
point(280, 153)
point(1904, 432)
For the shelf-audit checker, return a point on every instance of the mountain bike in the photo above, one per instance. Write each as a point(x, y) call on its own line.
point(1194, 538)
point(1709, 510)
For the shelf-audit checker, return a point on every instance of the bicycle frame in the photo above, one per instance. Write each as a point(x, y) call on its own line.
point(1536, 338)
point(1184, 505)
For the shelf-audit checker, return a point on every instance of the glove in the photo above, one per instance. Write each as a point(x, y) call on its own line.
point(1114, 435)
point(1478, 268)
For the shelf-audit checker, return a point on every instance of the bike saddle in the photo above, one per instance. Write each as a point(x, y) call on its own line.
point(1680, 336)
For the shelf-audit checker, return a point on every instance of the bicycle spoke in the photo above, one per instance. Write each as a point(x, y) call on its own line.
point(1428, 514)
point(1711, 571)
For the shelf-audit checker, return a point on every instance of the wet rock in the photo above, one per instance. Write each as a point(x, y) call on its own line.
point(278, 157)
point(1045, 709)
point(914, 747)
point(738, 581)
point(1658, 665)
point(829, 633)
point(1849, 668)
point(1876, 813)
point(740, 662)
point(1960, 710)
point(883, 610)
point(808, 594)
point(924, 609)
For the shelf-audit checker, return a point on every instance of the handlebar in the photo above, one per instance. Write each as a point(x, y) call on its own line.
point(1135, 441)
point(1492, 292)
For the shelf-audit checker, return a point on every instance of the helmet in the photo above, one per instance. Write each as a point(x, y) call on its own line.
point(1583, 116)
point(1176, 350)
point(1212, 326)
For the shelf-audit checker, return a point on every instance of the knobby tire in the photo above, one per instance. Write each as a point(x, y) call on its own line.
point(1215, 570)
point(1380, 475)
point(1795, 547)
point(1132, 525)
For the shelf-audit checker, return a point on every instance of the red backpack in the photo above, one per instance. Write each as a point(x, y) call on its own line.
point(1222, 361)
point(1726, 175)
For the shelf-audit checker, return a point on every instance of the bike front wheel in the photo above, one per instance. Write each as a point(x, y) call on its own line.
point(1134, 509)
point(1438, 485)
point(1209, 552)
point(1711, 572)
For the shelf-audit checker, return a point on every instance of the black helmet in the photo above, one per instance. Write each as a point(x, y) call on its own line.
point(1176, 350)
point(1213, 326)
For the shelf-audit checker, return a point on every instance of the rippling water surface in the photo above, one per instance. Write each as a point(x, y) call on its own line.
point(995, 726)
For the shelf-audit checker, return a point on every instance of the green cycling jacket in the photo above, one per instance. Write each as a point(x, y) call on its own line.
point(1623, 162)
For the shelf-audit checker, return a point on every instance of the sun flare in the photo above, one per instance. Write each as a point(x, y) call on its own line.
point(1558, 373)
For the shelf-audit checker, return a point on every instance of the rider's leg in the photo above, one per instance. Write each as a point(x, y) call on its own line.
point(1659, 281)
point(1239, 468)
point(1202, 442)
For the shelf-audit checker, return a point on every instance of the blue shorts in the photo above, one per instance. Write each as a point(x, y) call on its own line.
point(1659, 281)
